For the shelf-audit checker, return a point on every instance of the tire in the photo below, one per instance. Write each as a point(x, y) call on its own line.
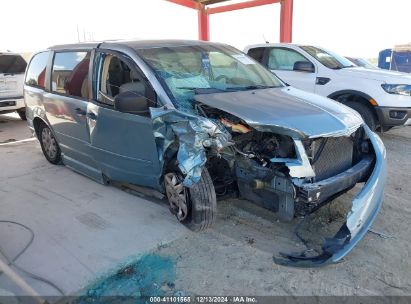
point(22, 114)
point(365, 113)
point(384, 129)
point(201, 203)
point(49, 145)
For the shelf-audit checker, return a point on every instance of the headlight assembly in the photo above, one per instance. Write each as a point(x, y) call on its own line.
point(399, 89)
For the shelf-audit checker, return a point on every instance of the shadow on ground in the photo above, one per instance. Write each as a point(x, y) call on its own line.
point(12, 128)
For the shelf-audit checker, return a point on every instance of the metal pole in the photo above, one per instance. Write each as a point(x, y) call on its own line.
point(20, 282)
point(286, 26)
point(203, 24)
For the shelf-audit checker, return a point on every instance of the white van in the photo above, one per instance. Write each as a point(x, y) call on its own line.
point(12, 68)
point(383, 98)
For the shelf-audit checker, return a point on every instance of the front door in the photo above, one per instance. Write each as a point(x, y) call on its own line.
point(122, 143)
point(281, 61)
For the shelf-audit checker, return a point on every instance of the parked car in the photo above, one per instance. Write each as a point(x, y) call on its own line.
point(382, 98)
point(361, 62)
point(12, 68)
point(197, 120)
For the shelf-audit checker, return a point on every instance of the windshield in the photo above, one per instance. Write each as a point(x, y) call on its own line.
point(361, 62)
point(189, 70)
point(327, 58)
point(12, 64)
point(364, 63)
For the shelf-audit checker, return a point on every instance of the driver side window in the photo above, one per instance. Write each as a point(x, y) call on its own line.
point(284, 59)
point(114, 76)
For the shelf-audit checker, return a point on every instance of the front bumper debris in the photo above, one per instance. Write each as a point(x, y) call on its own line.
point(365, 207)
point(312, 195)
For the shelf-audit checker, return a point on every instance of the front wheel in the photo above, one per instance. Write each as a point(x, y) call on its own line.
point(366, 113)
point(195, 207)
point(49, 145)
point(384, 129)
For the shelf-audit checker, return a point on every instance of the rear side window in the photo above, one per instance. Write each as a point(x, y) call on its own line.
point(12, 64)
point(257, 54)
point(70, 73)
point(284, 59)
point(36, 73)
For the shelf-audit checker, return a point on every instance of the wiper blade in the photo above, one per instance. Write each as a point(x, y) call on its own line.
point(198, 91)
point(252, 87)
point(190, 88)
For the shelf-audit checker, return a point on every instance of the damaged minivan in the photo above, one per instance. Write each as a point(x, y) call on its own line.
point(196, 121)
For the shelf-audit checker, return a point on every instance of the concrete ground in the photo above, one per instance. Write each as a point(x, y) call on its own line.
point(81, 228)
point(84, 230)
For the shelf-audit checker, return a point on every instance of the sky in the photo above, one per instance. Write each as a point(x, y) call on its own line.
point(359, 28)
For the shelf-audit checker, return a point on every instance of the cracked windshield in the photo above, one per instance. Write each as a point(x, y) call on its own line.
point(189, 70)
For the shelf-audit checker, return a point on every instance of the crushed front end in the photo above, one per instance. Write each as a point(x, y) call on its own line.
point(279, 168)
point(294, 176)
point(372, 170)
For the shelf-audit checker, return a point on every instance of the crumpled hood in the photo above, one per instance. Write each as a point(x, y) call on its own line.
point(286, 111)
point(385, 76)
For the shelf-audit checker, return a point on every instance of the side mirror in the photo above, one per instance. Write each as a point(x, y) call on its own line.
point(303, 66)
point(131, 102)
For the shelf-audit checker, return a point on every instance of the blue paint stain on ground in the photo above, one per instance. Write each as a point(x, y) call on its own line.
point(151, 275)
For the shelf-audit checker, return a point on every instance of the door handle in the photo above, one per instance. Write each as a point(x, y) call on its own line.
point(92, 116)
point(80, 111)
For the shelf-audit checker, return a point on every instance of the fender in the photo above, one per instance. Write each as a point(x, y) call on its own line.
point(40, 115)
point(353, 92)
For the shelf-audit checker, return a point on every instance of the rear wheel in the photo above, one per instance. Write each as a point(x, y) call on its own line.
point(194, 207)
point(365, 113)
point(22, 114)
point(49, 145)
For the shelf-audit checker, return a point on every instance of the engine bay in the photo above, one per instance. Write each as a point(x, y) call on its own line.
point(250, 143)
point(255, 167)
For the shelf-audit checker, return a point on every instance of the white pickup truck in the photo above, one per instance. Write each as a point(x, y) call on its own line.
point(383, 98)
point(12, 68)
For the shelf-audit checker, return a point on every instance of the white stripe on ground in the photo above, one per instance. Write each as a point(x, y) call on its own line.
point(18, 141)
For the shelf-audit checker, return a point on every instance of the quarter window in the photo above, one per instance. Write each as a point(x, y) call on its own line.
point(284, 59)
point(70, 73)
point(36, 73)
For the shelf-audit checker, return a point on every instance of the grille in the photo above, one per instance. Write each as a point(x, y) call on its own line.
point(335, 157)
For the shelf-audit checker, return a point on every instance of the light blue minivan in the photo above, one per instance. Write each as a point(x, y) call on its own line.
point(196, 121)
